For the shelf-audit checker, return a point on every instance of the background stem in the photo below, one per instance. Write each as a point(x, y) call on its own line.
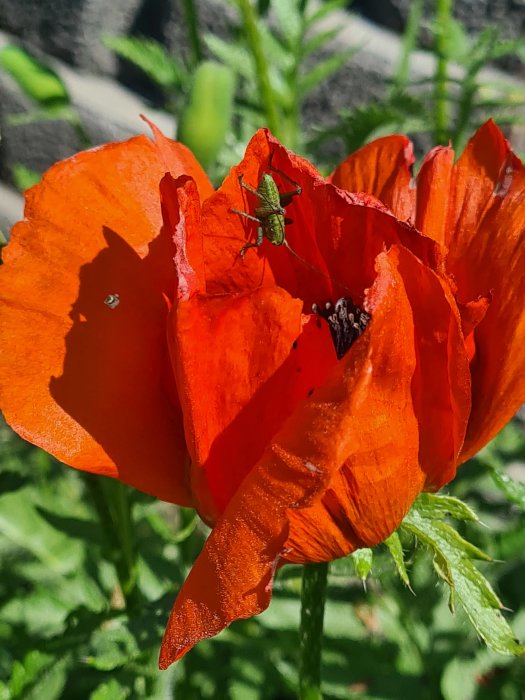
point(443, 16)
point(192, 22)
point(112, 503)
point(313, 597)
point(249, 19)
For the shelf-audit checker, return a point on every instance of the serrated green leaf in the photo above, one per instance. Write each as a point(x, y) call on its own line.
point(323, 70)
point(396, 552)
point(453, 563)
point(432, 505)
point(152, 58)
point(37, 80)
point(362, 560)
point(436, 530)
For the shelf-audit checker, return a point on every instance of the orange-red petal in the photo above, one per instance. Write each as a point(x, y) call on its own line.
point(88, 383)
point(261, 362)
point(365, 401)
point(408, 421)
point(434, 185)
point(487, 257)
point(382, 168)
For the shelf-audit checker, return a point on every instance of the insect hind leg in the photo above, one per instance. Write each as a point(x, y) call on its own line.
point(285, 197)
point(257, 244)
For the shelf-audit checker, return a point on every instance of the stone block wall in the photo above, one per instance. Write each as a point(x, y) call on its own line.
point(109, 95)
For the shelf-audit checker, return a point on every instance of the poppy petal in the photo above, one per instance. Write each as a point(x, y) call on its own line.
point(487, 257)
point(232, 577)
point(266, 358)
point(423, 378)
point(85, 289)
point(382, 168)
point(434, 182)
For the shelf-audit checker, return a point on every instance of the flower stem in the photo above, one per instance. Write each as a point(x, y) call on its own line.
point(313, 597)
point(443, 17)
point(249, 19)
point(192, 22)
point(111, 501)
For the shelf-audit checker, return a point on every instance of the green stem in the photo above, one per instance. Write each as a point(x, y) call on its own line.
point(443, 17)
point(111, 501)
point(192, 22)
point(313, 597)
point(293, 129)
point(408, 45)
point(249, 19)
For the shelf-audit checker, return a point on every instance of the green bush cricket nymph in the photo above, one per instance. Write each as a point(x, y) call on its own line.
point(346, 320)
point(270, 212)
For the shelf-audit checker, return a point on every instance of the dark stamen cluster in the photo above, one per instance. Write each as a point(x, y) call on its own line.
point(346, 321)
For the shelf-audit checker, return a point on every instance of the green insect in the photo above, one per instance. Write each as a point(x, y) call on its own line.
point(270, 213)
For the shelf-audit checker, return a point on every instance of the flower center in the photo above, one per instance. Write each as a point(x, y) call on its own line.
point(346, 321)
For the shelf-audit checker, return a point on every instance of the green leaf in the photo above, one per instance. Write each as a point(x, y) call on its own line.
point(396, 551)
point(453, 563)
point(289, 19)
point(319, 40)
point(207, 117)
point(21, 523)
point(431, 505)
point(152, 58)
point(343, 567)
point(112, 690)
point(38, 676)
point(24, 177)
point(112, 647)
point(461, 676)
point(323, 70)
point(513, 490)
point(232, 55)
point(37, 80)
point(158, 523)
point(324, 10)
point(362, 560)
point(457, 42)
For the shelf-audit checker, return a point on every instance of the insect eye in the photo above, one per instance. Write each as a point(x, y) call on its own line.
point(346, 321)
point(112, 301)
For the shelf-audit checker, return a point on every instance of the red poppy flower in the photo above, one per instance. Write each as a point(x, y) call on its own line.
point(138, 343)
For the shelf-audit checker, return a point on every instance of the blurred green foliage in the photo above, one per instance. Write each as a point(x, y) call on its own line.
point(65, 633)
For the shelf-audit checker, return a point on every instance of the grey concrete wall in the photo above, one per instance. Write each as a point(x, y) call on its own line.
point(109, 96)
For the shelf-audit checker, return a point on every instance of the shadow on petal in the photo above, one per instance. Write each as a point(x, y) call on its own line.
point(116, 381)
